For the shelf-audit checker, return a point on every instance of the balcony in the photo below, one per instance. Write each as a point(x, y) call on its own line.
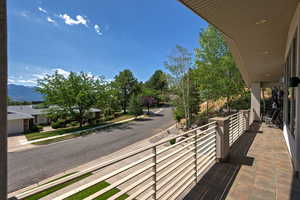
point(220, 160)
point(259, 167)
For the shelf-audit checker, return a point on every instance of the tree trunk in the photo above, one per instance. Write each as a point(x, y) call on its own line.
point(148, 109)
point(188, 101)
point(124, 107)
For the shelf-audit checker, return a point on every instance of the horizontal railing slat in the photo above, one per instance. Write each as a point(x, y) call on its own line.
point(130, 187)
point(184, 163)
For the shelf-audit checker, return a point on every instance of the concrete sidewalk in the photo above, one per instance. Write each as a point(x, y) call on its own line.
point(77, 132)
point(20, 143)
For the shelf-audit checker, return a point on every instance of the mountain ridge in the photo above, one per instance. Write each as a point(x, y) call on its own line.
point(23, 93)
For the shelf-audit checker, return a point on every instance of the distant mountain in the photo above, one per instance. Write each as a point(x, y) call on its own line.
point(23, 93)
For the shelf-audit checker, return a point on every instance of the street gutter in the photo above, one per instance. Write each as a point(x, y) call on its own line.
point(91, 129)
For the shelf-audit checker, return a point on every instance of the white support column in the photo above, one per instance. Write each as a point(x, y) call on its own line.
point(255, 102)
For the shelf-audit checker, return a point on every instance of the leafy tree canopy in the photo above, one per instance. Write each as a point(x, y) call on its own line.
point(158, 81)
point(216, 72)
point(75, 94)
point(126, 84)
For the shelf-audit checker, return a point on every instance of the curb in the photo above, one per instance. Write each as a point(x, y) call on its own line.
point(95, 128)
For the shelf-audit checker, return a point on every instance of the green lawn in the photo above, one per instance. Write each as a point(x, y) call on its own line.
point(40, 135)
point(57, 139)
point(56, 188)
point(95, 188)
point(80, 195)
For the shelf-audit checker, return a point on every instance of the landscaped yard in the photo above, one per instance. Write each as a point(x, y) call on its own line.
point(40, 135)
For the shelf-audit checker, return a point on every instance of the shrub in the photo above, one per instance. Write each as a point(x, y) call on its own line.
point(74, 123)
point(173, 141)
point(58, 124)
point(92, 121)
point(135, 106)
point(36, 128)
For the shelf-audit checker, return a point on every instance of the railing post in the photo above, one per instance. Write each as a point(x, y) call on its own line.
point(239, 124)
point(196, 157)
point(246, 116)
point(155, 171)
point(222, 137)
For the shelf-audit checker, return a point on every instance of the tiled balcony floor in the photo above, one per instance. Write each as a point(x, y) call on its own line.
point(259, 168)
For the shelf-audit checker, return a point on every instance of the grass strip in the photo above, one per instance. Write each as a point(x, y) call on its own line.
point(40, 135)
point(57, 139)
point(95, 188)
point(55, 188)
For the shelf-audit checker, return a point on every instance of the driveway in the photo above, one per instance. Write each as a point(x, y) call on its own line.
point(14, 143)
point(30, 166)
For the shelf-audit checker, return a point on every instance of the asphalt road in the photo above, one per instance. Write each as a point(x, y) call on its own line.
point(28, 167)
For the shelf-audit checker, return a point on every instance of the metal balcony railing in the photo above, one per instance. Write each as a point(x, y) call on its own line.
point(160, 171)
point(237, 126)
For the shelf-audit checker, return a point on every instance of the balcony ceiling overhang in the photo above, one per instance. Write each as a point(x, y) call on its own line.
point(255, 30)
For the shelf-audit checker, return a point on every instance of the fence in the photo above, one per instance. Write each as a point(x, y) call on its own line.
point(160, 171)
point(237, 126)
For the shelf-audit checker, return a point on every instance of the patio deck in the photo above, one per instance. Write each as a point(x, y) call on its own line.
point(259, 168)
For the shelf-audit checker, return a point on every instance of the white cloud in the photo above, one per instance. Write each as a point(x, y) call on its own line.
point(42, 10)
point(70, 21)
point(24, 14)
point(27, 81)
point(97, 29)
point(62, 72)
point(39, 76)
point(49, 19)
point(11, 81)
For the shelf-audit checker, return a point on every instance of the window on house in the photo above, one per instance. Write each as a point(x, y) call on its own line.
point(290, 100)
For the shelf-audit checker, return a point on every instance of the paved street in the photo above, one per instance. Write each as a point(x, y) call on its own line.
point(30, 166)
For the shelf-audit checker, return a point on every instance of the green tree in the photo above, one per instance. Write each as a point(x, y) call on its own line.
point(74, 95)
point(107, 99)
point(216, 73)
point(179, 64)
point(158, 81)
point(9, 101)
point(135, 105)
point(126, 84)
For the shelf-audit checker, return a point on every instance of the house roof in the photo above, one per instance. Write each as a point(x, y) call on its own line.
point(27, 109)
point(17, 115)
point(94, 110)
point(30, 110)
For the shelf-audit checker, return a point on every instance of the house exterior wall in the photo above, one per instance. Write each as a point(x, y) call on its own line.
point(291, 127)
point(15, 126)
point(255, 102)
point(40, 120)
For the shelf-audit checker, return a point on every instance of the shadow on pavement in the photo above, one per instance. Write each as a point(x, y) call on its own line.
point(217, 181)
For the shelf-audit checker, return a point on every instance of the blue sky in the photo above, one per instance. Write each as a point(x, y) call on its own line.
point(101, 37)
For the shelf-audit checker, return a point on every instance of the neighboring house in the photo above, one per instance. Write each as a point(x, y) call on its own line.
point(38, 114)
point(96, 113)
point(17, 123)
